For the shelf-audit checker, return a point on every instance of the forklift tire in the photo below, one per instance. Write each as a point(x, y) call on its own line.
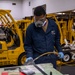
point(22, 58)
point(67, 57)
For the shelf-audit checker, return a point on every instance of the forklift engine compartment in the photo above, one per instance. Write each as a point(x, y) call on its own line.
point(2, 35)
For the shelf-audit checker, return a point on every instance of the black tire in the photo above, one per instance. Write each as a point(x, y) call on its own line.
point(22, 57)
point(67, 57)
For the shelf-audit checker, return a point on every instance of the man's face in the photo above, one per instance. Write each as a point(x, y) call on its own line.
point(39, 20)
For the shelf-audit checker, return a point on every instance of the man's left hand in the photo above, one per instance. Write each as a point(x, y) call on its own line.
point(61, 55)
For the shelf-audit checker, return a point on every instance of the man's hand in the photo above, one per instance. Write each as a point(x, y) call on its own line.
point(61, 55)
point(29, 61)
point(29, 58)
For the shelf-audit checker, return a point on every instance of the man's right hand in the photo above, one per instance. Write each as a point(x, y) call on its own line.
point(29, 61)
point(29, 58)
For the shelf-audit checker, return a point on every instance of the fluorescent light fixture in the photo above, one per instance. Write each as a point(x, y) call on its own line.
point(60, 13)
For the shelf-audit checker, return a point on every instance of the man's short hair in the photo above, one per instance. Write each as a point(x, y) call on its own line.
point(38, 11)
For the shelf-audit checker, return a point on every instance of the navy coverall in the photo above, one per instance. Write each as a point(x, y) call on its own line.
point(38, 42)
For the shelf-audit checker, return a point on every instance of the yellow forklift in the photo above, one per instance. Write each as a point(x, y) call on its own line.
point(11, 42)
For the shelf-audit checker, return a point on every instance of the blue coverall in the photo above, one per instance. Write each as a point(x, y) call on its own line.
point(38, 42)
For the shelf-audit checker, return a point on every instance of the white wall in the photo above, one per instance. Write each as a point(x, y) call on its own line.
point(27, 10)
point(51, 5)
point(16, 10)
point(23, 9)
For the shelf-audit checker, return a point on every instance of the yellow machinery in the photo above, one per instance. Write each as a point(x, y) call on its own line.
point(11, 42)
point(63, 25)
point(23, 24)
point(71, 30)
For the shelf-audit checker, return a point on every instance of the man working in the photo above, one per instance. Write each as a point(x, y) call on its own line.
point(42, 36)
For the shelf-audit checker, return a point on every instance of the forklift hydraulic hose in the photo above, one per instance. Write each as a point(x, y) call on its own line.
point(46, 54)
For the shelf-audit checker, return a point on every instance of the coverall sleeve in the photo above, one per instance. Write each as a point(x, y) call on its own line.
point(28, 43)
point(57, 40)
